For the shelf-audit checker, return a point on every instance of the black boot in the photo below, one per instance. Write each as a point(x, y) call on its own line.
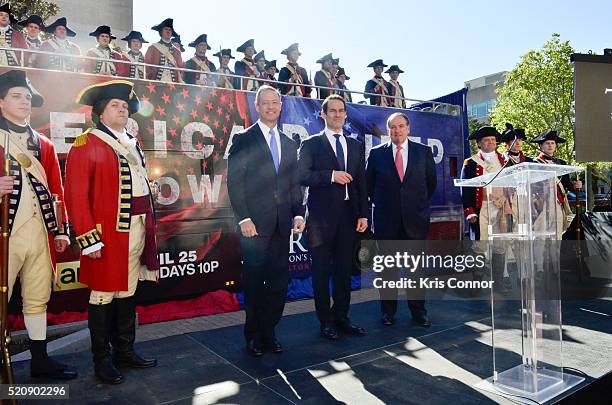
point(99, 321)
point(44, 366)
point(124, 335)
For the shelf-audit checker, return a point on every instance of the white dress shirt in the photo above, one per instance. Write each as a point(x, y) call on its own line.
point(332, 141)
point(404, 153)
point(266, 133)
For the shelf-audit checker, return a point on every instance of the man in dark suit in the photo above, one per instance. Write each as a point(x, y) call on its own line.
point(332, 166)
point(401, 177)
point(262, 182)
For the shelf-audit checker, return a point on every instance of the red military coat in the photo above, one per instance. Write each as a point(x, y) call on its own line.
point(92, 196)
point(154, 57)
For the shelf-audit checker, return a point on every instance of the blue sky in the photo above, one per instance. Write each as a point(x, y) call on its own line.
point(439, 44)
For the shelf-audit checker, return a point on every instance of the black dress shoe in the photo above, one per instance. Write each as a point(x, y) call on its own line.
point(54, 370)
point(107, 372)
point(329, 332)
point(421, 320)
point(133, 360)
point(387, 319)
point(275, 346)
point(254, 348)
point(350, 329)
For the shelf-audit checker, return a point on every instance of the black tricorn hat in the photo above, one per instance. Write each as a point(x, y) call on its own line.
point(18, 78)
point(224, 52)
point(336, 61)
point(33, 19)
point(341, 72)
point(510, 133)
point(6, 7)
point(60, 22)
point(292, 47)
point(102, 29)
point(270, 64)
point(201, 38)
point(260, 55)
point(120, 89)
point(168, 22)
point(394, 68)
point(326, 58)
point(134, 35)
point(248, 44)
point(376, 63)
point(484, 131)
point(548, 135)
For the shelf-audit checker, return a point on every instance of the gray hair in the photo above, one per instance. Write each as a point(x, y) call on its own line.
point(266, 87)
point(394, 116)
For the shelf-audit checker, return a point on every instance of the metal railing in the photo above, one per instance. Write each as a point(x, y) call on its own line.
point(436, 106)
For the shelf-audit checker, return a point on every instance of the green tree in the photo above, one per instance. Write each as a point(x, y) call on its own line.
point(21, 9)
point(537, 95)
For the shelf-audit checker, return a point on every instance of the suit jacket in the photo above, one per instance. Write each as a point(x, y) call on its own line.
point(326, 199)
point(401, 205)
point(255, 190)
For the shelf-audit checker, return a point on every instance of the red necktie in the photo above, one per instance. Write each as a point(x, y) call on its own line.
point(399, 163)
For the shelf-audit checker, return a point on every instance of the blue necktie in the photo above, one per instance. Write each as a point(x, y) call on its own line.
point(339, 153)
point(274, 150)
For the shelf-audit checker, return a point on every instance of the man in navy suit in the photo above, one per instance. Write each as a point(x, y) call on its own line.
point(401, 177)
point(332, 166)
point(263, 186)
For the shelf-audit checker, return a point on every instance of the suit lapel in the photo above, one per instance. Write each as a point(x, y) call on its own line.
point(329, 150)
point(265, 149)
point(411, 157)
point(390, 159)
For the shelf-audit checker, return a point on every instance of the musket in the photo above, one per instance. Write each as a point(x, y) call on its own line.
point(6, 374)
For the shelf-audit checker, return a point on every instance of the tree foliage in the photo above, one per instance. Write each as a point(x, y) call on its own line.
point(22, 9)
point(537, 95)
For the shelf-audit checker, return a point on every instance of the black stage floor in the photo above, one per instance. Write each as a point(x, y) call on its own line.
point(401, 364)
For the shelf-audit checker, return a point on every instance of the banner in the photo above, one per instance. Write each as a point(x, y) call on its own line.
point(186, 132)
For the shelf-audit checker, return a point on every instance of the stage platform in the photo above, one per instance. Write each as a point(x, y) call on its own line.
point(400, 364)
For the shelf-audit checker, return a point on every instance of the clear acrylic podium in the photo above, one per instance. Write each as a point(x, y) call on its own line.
point(526, 295)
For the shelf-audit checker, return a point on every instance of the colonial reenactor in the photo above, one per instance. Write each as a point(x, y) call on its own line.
point(514, 138)
point(135, 41)
point(164, 53)
point(325, 77)
point(270, 73)
point(226, 82)
point(10, 38)
point(486, 160)
point(294, 75)
point(37, 225)
point(60, 45)
point(335, 66)
point(548, 141)
point(260, 67)
point(246, 66)
point(200, 63)
point(377, 86)
point(108, 193)
point(341, 78)
point(110, 62)
point(395, 89)
point(33, 25)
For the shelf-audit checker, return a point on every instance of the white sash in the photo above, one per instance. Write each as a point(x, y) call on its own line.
point(26, 160)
